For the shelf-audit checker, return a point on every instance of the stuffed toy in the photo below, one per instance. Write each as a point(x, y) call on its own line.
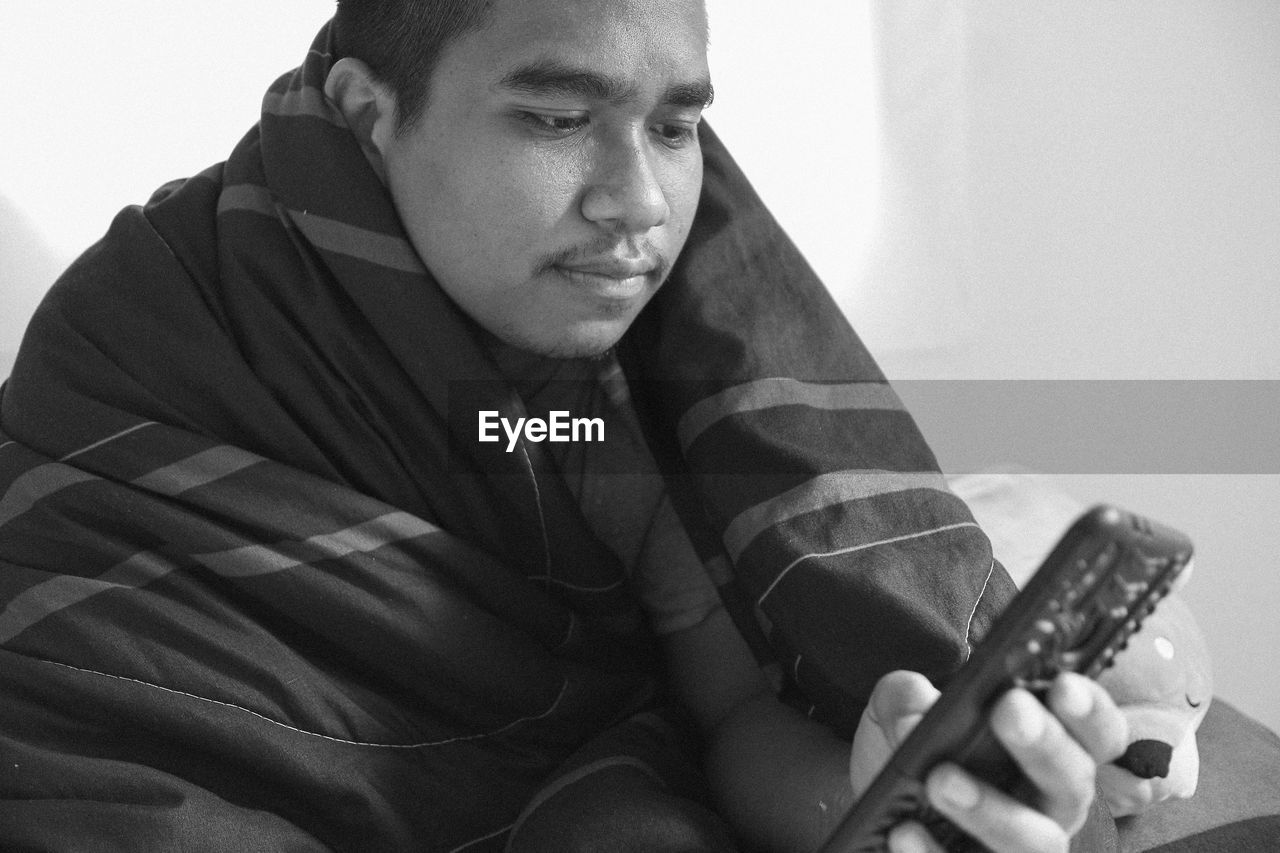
point(1163, 684)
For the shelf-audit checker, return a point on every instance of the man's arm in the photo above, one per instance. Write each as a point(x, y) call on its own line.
point(780, 779)
point(784, 781)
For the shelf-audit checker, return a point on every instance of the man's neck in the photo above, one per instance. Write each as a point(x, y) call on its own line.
point(530, 372)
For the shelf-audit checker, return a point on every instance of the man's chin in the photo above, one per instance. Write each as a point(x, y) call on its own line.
point(595, 341)
point(587, 350)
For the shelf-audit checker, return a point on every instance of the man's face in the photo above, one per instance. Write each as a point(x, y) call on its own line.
point(551, 181)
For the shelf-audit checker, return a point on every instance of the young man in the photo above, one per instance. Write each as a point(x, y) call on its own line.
point(268, 587)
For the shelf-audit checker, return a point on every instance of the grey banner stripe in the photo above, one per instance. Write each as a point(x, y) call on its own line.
point(306, 101)
point(822, 491)
point(768, 393)
point(251, 560)
point(385, 250)
point(44, 599)
point(198, 470)
point(1103, 426)
point(39, 482)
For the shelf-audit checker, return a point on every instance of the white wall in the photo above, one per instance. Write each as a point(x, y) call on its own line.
point(1010, 189)
point(1041, 190)
point(1091, 191)
point(106, 101)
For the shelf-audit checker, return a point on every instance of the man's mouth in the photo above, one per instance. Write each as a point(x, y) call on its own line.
point(612, 267)
point(618, 278)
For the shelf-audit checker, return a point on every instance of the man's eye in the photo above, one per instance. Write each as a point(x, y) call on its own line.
point(677, 135)
point(559, 125)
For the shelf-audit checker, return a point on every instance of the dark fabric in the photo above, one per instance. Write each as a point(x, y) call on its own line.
point(262, 588)
point(1255, 835)
point(806, 486)
point(645, 801)
point(1099, 832)
point(1237, 801)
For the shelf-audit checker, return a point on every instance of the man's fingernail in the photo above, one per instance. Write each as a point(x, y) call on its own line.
point(1028, 719)
point(1076, 701)
point(908, 841)
point(904, 726)
point(958, 790)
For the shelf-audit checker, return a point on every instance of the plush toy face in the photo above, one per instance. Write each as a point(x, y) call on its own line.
point(1163, 685)
point(1166, 662)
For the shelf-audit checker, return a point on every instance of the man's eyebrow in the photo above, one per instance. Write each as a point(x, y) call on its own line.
point(550, 77)
point(698, 94)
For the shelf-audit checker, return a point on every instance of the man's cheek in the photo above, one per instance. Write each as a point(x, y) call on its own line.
point(685, 205)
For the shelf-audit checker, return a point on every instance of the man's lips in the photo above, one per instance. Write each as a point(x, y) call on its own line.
point(613, 268)
point(612, 279)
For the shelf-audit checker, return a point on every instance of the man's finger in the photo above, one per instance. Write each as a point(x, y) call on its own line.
point(912, 837)
point(997, 820)
point(1051, 759)
point(898, 702)
point(1089, 713)
point(1125, 793)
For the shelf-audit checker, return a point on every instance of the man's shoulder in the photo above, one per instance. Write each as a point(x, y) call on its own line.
point(141, 275)
point(140, 248)
point(183, 215)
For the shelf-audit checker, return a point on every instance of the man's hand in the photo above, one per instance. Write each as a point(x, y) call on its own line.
point(1057, 748)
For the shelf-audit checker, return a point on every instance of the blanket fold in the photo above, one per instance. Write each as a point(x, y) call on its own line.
point(262, 588)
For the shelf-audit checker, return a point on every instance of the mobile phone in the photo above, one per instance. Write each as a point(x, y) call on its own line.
point(1092, 592)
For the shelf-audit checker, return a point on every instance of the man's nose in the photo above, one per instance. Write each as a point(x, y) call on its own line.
point(626, 192)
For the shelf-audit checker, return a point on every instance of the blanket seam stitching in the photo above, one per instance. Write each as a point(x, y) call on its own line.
point(564, 687)
point(105, 441)
point(577, 587)
point(537, 501)
point(549, 791)
point(476, 841)
point(968, 628)
point(852, 548)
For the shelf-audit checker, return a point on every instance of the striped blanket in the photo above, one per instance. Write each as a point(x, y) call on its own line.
point(262, 588)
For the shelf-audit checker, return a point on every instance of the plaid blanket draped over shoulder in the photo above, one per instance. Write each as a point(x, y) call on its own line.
point(259, 589)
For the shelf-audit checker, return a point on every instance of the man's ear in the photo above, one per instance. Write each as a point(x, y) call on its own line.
point(368, 106)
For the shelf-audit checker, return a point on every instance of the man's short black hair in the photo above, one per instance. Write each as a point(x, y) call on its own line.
point(402, 40)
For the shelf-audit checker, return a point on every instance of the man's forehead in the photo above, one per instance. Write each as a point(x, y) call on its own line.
point(550, 77)
point(610, 50)
point(558, 14)
point(565, 29)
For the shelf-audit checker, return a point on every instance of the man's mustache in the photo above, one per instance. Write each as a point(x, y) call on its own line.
point(605, 248)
